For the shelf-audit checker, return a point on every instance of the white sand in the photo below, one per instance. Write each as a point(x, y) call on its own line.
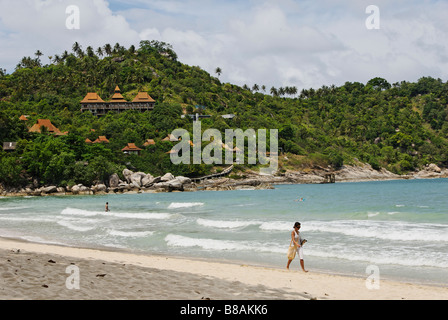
point(37, 271)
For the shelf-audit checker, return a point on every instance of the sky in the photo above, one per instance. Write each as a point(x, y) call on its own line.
point(307, 44)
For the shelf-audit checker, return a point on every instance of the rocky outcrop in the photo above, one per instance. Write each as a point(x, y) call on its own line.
point(114, 181)
point(431, 171)
point(138, 182)
point(364, 173)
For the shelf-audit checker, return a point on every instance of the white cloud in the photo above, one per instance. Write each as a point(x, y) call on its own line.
point(275, 43)
point(31, 25)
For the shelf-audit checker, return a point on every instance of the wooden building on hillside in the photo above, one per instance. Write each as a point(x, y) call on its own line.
point(93, 103)
point(9, 146)
point(48, 126)
point(131, 148)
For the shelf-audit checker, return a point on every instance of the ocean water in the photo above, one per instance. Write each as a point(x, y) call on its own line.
point(399, 226)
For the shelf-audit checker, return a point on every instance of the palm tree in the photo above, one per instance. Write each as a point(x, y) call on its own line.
point(108, 49)
point(255, 87)
point(281, 91)
point(274, 92)
point(64, 55)
point(218, 71)
point(99, 52)
point(263, 87)
point(90, 52)
point(76, 47)
point(78, 50)
point(38, 54)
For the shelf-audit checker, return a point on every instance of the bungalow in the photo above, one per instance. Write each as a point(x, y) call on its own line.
point(48, 126)
point(9, 146)
point(149, 142)
point(98, 107)
point(131, 148)
point(171, 138)
point(101, 139)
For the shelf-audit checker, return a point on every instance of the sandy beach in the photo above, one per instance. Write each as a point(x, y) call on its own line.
point(49, 272)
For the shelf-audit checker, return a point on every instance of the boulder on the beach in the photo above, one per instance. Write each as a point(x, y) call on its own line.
point(433, 168)
point(80, 188)
point(127, 175)
point(175, 184)
point(147, 180)
point(50, 189)
point(167, 177)
point(99, 188)
point(183, 180)
point(114, 180)
point(136, 179)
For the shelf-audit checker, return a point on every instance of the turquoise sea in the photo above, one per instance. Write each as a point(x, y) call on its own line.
point(399, 226)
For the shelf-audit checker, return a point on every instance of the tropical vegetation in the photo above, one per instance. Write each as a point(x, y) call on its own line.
point(401, 126)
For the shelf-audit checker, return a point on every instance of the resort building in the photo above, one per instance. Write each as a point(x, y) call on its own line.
point(131, 148)
point(93, 103)
point(101, 139)
point(149, 142)
point(49, 127)
point(9, 146)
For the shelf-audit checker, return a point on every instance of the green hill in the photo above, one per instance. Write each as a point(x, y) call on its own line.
point(401, 126)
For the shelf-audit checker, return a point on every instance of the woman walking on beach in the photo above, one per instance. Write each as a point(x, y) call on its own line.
point(297, 240)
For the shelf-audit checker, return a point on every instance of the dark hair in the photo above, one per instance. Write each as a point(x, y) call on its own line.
point(297, 224)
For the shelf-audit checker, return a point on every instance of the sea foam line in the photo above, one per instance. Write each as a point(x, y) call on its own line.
point(178, 205)
point(223, 224)
point(174, 240)
point(130, 215)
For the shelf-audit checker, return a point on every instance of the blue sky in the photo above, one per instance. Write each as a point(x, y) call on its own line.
point(273, 43)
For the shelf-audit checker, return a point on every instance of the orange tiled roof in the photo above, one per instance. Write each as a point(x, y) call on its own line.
point(46, 123)
point(92, 97)
point(88, 141)
point(101, 139)
point(170, 137)
point(117, 97)
point(149, 142)
point(23, 117)
point(143, 97)
point(131, 147)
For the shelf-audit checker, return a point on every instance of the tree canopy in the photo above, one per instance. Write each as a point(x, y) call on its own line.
point(400, 126)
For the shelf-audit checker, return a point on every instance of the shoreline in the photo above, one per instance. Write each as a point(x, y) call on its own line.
point(38, 271)
point(253, 180)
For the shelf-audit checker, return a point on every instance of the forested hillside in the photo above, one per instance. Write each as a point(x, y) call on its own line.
point(401, 126)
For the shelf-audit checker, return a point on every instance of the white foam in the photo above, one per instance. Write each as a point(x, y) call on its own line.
point(174, 240)
point(80, 212)
point(277, 226)
point(149, 215)
point(385, 230)
point(222, 224)
point(13, 208)
point(130, 215)
point(385, 258)
point(130, 234)
point(178, 205)
point(75, 227)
